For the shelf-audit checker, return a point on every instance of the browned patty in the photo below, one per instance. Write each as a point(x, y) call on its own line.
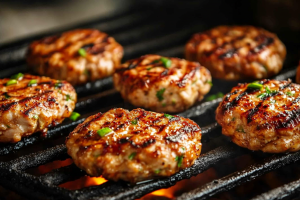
point(265, 119)
point(140, 145)
point(237, 52)
point(77, 56)
point(28, 108)
point(146, 82)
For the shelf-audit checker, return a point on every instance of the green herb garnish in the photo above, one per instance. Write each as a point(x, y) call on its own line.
point(164, 104)
point(32, 82)
point(86, 72)
point(134, 122)
point(74, 116)
point(58, 85)
point(157, 171)
point(179, 160)
point(290, 93)
point(6, 96)
point(68, 97)
point(168, 116)
point(273, 101)
point(11, 82)
point(173, 101)
point(240, 129)
point(82, 52)
point(102, 132)
point(131, 156)
point(214, 96)
point(17, 76)
point(7, 126)
point(254, 85)
point(159, 94)
point(148, 68)
point(210, 83)
point(35, 117)
point(166, 62)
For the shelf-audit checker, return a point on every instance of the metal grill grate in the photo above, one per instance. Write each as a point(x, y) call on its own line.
point(139, 31)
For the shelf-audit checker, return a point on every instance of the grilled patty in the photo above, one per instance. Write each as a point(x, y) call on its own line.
point(265, 119)
point(29, 104)
point(237, 52)
point(77, 56)
point(134, 146)
point(162, 84)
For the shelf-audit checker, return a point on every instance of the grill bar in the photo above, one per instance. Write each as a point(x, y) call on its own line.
point(239, 177)
point(285, 191)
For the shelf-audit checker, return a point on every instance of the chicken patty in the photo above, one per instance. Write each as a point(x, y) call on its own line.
point(162, 84)
point(76, 56)
point(237, 52)
point(262, 116)
point(134, 146)
point(29, 104)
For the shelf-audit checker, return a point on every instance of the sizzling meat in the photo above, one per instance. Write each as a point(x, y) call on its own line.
point(134, 146)
point(77, 56)
point(162, 84)
point(237, 52)
point(31, 104)
point(264, 119)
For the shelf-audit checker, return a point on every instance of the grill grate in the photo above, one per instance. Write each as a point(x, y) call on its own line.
point(139, 31)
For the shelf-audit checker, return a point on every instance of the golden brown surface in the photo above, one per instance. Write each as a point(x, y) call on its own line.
point(26, 109)
point(262, 120)
point(132, 152)
point(183, 83)
point(58, 56)
point(237, 52)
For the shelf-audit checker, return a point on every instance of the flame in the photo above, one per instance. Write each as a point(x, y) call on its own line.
point(85, 181)
point(164, 192)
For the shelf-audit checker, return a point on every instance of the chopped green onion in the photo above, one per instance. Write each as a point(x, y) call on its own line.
point(131, 156)
point(74, 116)
point(6, 96)
point(273, 101)
point(32, 82)
point(35, 117)
point(233, 119)
point(157, 171)
point(11, 82)
point(255, 85)
point(179, 160)
point(290, 93)
point(7, 126)
point(240, 129)
point(214, 96)
point(68, 97)
point(82, 52)
point(183, 149)
point(268, 90)
point(58, 85)
point(173, 101)
point(149, 68)
point(102, 132)
point(134, 122)
point(164, 104)
point(210, 83)
point(159, 94)
point(262, 95)
point(17, 76)
point(168, 116)
point(86, 72)
point(166, 62)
